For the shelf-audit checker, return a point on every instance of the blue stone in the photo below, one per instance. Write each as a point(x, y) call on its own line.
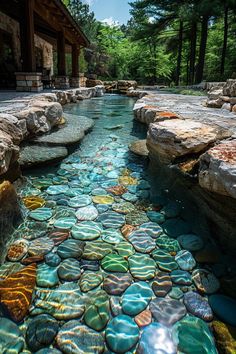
point(224, 307)
point(154, 216)
point(47, 276)
point(52, 259)
point(198, 306)
point(136, 298)
point(176, 227)
point(41, 214)
point(11, 338)
point(71, 249)
point(167, 311)
point(69, 270)
point(185, 260)
point(181, 277)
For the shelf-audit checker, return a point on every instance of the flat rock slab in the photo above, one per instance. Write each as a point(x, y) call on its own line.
point(32, 155)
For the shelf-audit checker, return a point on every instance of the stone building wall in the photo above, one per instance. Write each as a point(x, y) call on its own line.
point(11, 26)
point(47, 50)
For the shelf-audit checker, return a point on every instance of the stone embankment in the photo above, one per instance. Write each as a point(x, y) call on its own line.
point(37, 130)
point(198, 145)
point(120, 86)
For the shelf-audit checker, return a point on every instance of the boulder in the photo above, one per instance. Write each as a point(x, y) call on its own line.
point(214, 93)
point(217, 172)
point(229, 88)
point(216, 103)
point(9, 152)
point(52, 110)
point(175, 138)
point(36, 122)
point(139, 147)
point(14, 127)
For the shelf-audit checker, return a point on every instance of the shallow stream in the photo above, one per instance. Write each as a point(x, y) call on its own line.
point(116, 267)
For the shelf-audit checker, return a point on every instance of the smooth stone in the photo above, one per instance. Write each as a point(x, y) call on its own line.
point(97, 312)
point(102, 208)
point(112, 236)
point(86, 231)
point(181, 277)
point(143, 318)
point(41, 214)
point(114, 263)
point(136, 218)
point(156, 339)
point(33, 259)
point(224, 307)
point(127, 181)
point(185, 260)
point(136, 298)
point(191, 242)
point(80, 201)
point(40, 246)
point(65, 223)
point(64, 302)
point(99, 191)
point(111, 220)
point(52, 259)
point(57, 189)
point(116, 284)
point(176, 293)
point(205, 281)
point(155, 217)
point(210, 254)
point(172, 210)
point(71, 249)
point(124, 249)
point(141, 241)
point(33, 202)
point(47, 351)
point(167, 243)
point(122, 334)
point(11, 338)
point(129, 197)
point(152, 229)
point(162, 284)
point(88, 213)
point(117, 190)
point(164, 260)
point(16, 302)
point(192, 335)
point(115, 306)
point(176, 227)
point(127, 229)
point(89, 265)
point(123, 207)
point(103, 199)
point(76, 338)
point(167, 311)
point(89, 281)
point(17, 250)
point(96, 250)
point(47, 276)
point(198, 306)
point(142, 266)
point(69, 270)
point(58, 236)
point(41, 332)
point(225, 337)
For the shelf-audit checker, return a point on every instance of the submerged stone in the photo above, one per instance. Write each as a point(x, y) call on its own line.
point(114, 263)
point(162, 284)
point(136, 298)
point(164, 260)
point(69, 270)
point(167, 311)
point(141, 241)
point(59, 235)
point(11, 338)
point(40, 246)
point(122, 334)
point(111, 220)
point(191, 242)
point(185, 260)
point(103, 199)
point(33, 202)
point(112, 236)
point(17, 250)
point(88, 213)
point(224, 307)
point(117, 190)
point(115, 305)
point(96, 250)
point(181, 277)
point(176, 227)
point(124, 249)
point(89, 281)
point(52, 259)
point(47, 276)
point(142, 266)
point(155, 217)
point(116, 284)
point(123, 207)
point(225, 337)
point(65, 223)
point(71, 249)
point(144, 318)
point(205, 281)
point(97, 312)
point(80, 201)
point(89, 265)
point(41, 214)
point(198, 306)
point(167, 243)
point(86, 231)
point(152, 229)
point(136, 218)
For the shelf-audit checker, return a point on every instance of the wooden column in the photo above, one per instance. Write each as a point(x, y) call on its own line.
point(27, 37)
point(75, 60)
point(61, 54)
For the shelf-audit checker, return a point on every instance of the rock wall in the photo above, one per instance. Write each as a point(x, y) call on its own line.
point(47, 50)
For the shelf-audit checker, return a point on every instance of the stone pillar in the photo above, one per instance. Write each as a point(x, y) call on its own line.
point(29, 82)
point(62, 80)
point(75, 80)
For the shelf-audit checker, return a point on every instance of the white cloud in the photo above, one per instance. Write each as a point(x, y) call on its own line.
point(110, 22)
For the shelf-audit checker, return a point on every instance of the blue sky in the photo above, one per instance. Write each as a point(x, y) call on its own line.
point(110, 10)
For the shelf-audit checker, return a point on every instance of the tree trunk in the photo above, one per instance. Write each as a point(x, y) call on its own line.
point(178, 69)
point(202, 50)
point(193, 52)
point(224, 49)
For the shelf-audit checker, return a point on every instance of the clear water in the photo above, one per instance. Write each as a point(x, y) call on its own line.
point(96, 286)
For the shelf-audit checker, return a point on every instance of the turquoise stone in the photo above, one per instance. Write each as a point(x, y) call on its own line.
point(172, 210)
point(40, 246)
point(114, 263)
point(96, 250)
point(124, 249)
point(52, 259)
point(86, 231)
point(167, 311)
point(192, 335)
point(129, 197)
point(102, 208)
point(41, 332)
point(116, 284)
point(176, 227)
point(115, 306)
point(191, 242)
point(80, 201)
point(11, 338)
point(41, 214)
point(156, 217)
point(99, 191)
point(122, 334)
point(142, 266)
point(152, 229)
point(141, 241)
point(88, 213)
point(47, 276)
point(65, 223)
point(63, 303)
point(198, 306)
point(176, 293)
point(164, 260)
point(167, 243)
point(185, 260)
point(143, 184)
point(75, 338)
point(112, 220)
point(89, 281)
point(162, 284)
point(57, 189)
point(69, 270)
point(224, 307)
point(156, 339)
point(97, 312)
point(47, 351)
point(181, 277)
point(112, 236)
point(136, 298)
point(71, 249)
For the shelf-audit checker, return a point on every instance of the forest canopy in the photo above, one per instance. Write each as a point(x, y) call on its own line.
point(178, 42)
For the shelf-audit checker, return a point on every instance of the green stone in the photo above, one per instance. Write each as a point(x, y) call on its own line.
point(167, 243)
point(96, 250)
point(164, 260)
point(97, 312)
point(86, 231)
point(41, 214)
point(90, 281)
point(142, 266)
point(114, 263)
point(124, 249)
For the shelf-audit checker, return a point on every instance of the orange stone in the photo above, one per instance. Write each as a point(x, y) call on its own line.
point(33, 259)
point(33, 202)
point(117, 190)
point(16, 292)
point(167, 115)
point(127, 229)
point(144, 318)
